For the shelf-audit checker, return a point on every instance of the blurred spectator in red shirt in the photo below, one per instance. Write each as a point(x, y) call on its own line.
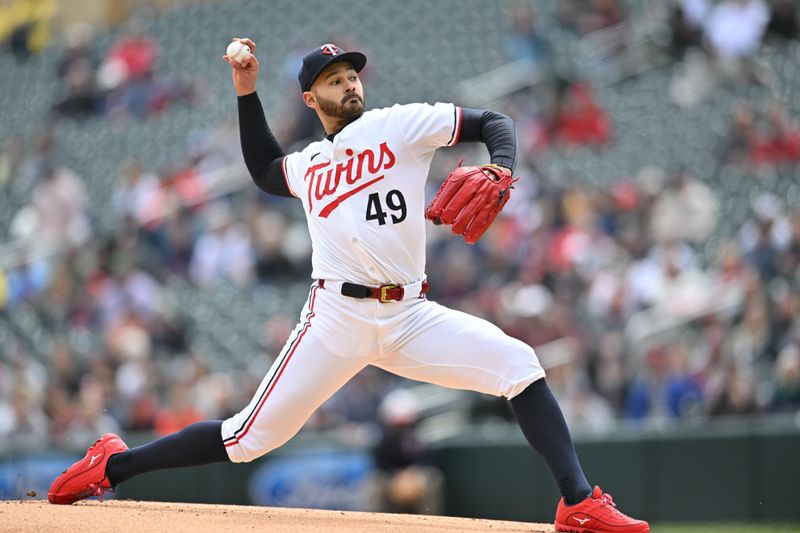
point(580, 120)
point(779, 141)
point(134, 54)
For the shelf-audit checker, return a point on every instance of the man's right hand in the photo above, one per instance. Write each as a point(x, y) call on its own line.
point(245, 73)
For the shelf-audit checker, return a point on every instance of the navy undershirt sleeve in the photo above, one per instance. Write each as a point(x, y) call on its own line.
point(262, 153)
point(495, 130)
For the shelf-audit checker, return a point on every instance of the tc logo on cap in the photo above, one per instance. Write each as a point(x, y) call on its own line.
point(329, 49)
point(320, 57)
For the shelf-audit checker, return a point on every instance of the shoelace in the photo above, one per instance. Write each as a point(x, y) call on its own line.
point(608, 503)
point(606, 497)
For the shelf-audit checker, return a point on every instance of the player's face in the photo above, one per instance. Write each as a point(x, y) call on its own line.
point(338, 92)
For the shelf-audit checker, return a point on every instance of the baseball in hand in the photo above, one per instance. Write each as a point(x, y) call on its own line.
point(237, 51)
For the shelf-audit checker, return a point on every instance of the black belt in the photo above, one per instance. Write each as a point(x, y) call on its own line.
point(384, 293)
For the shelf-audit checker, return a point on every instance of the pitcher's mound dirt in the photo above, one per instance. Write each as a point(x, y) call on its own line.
point(125, 516)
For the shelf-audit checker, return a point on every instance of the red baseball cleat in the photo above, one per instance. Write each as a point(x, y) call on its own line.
point(87, 477)
point(597, 514)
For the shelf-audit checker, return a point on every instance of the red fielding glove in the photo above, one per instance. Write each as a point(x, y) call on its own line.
point(470, 199)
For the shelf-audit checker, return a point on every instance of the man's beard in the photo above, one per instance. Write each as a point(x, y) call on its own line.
point(350, 108)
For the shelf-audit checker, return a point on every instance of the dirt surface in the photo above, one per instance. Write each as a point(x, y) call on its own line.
point(132, 516)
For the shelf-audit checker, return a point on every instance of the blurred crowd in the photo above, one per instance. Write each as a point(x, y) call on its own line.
point(119, 82)
point(731, 28)
point(124, 82)
point(718, 43)
point(640, 325)
point(630, 312)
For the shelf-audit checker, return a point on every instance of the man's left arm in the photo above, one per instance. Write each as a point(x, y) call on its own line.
point(471, 197)
point(495, 130)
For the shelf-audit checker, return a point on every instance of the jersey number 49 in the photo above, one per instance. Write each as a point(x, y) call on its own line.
point(394, 201)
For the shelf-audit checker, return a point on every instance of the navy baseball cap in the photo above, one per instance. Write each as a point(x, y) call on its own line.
point(317, 59)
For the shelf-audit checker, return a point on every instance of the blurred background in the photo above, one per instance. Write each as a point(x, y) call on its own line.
point(650, 252)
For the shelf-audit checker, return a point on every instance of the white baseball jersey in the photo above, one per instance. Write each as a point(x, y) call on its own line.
point(364, 198)
point(364, 192)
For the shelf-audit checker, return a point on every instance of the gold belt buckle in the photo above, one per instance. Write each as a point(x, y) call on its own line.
point(383, 297)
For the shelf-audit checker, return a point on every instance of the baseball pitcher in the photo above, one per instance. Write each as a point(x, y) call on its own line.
point(362, 188)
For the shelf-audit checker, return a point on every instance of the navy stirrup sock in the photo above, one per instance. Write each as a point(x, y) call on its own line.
point(543, 425)
point(197, 444)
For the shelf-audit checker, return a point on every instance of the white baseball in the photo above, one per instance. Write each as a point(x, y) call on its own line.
point(237, 51)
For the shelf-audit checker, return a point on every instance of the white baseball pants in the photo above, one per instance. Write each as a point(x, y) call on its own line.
point(337, 336)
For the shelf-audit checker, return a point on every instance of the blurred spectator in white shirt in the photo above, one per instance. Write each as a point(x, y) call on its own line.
point(686, 210)
point(133, 191)
point(735, 27)
point(59, 209)
point(224, 252)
